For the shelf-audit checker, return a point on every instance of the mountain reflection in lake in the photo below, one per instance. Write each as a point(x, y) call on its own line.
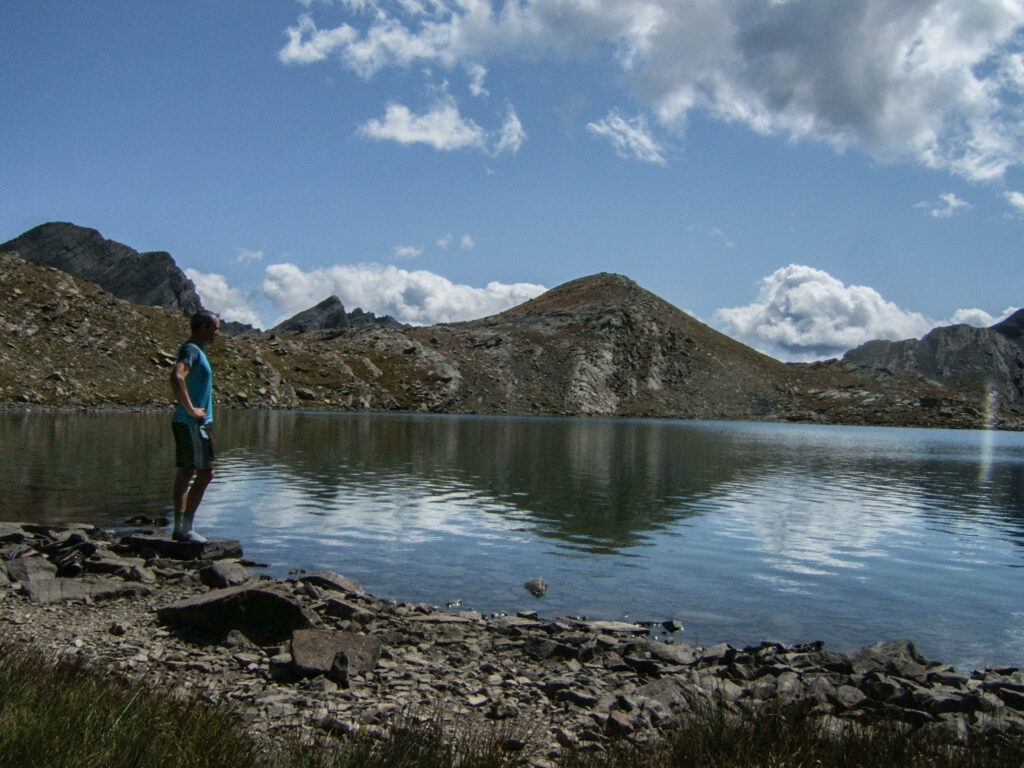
point(744, 532)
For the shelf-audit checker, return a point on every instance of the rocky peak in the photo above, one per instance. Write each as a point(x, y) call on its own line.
point(150, 279)
point(1012, 327)
point(962, 356)
point(329, 314)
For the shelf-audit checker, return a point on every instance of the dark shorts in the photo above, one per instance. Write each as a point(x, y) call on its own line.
point(193, 446)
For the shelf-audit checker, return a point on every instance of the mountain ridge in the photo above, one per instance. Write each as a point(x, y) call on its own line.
point(980, 361)
point(151, 278)
point(599, 345)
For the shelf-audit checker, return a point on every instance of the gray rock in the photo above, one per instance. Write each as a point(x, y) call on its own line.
point(160, 545)
point(337, 655)
point(29, 569)
point(848, 697)
point(12, 532)
point(536, 587)
point(329, 580)
point(900, 658)
point(348, 611)
point(225, 574)
point(669, 691)
point(59, 590)
point(266, 615)
point(666, 653)
point(105, 561)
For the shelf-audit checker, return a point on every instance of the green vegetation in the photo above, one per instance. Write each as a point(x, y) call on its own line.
point(66, 714)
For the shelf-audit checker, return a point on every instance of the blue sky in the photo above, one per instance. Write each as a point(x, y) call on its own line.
point(804, 175)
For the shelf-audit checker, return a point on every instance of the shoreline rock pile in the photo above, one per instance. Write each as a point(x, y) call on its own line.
point(317, 654)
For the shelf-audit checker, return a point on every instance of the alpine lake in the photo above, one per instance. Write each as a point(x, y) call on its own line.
point(742, 532)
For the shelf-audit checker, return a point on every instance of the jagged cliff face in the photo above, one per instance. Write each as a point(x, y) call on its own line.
point(330, 314)
point(596, 346)
point(974, 360)
point(150, 279)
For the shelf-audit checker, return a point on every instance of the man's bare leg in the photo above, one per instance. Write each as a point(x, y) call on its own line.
point(182, 478)
point(187, 500)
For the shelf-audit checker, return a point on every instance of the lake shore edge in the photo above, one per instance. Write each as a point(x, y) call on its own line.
point(315, 654)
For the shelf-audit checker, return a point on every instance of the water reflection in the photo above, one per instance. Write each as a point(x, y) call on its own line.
point(744, 531)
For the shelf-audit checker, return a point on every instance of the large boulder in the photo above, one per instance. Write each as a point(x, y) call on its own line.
point(266, 615)
point(161, 545)
point(337, 655)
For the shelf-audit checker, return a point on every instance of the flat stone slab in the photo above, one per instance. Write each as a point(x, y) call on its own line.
point(263, 614)
point(332, 653)
point(613, 627)
point(226, 574)
point(162, 545)
point(29, 569)
point(330, 580)
point(58, 590)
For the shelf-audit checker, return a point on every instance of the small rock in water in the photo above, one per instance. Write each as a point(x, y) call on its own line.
point(536, 587)
point(672, 625)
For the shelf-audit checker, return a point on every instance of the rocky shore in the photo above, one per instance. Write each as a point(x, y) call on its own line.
point(316, 654)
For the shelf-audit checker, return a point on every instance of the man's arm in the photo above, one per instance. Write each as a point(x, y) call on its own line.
point(178, 374)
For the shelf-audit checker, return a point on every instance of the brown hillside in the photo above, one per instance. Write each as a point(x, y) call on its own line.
point(597, 345)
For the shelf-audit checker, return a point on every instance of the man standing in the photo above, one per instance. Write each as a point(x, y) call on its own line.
point(192, 385)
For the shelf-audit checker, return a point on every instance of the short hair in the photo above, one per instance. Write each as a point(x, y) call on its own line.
point(201, 319)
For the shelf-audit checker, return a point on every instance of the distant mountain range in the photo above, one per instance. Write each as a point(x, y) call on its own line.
point(80, 335)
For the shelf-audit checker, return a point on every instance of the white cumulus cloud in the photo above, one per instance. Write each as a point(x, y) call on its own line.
point(803, 313)
point(217, 296)
point(937, 81)
point(416, 297)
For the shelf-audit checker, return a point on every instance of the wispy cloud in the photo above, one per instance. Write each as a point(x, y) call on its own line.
point(406, 252)
point(940, 82)
point(246, 256)
point(511, 136)
point(948, 206)
point(631, 138)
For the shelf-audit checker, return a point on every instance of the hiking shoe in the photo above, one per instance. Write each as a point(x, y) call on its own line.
point(190, 537)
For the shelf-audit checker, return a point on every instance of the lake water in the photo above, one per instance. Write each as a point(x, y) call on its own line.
point(743, 532)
